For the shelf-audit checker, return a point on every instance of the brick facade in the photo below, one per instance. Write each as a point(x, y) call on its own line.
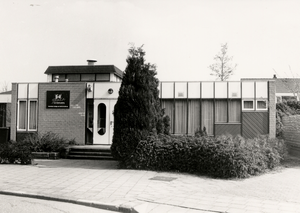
point(68, 123)
point(291, 133)
point(272, 109)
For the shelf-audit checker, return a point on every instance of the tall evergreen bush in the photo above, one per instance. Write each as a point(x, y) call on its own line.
point(137, 111)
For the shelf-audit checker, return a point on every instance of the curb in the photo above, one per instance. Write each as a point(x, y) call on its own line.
point(95, 204)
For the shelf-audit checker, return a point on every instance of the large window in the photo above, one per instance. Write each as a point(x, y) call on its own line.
point(32, 115)
point(27, 115)
point(167, 105)
point(234, 111)
point(207, 116)
point(180, 116)
point(2, 115)
point(194, 115)
point(221, 111)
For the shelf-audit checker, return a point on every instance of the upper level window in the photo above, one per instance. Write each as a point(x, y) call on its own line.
point(81, 77)
point(102, 77)
point(73, 77)
point(87, 77)
point(61, 77)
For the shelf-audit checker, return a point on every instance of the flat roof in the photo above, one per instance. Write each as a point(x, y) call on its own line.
point(92, 69)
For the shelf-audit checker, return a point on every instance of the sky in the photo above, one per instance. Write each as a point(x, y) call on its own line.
point(180, 36)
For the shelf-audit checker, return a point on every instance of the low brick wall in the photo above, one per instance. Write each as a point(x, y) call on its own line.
point(291, 133)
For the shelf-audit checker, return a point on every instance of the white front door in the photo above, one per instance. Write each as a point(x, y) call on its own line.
point(103, 121)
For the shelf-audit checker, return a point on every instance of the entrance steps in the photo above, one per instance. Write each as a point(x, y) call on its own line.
point(90, 152)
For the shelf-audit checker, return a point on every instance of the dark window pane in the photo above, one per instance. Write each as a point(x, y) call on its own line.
point(73, 77)
point(248, 105)
point(102, 77)
point(261, 104)
point(87, 77)
point(61, 77)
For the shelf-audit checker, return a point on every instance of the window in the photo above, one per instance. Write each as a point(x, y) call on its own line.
point(207, 116)
point(102, 77)
point(261, 105)
point(22, 115)
point(62, 77)
point(180, 116)
point(194, 115)
point(32, 118)
point(248, 105)
point(221, 111)
point(101, 124)
point(234, 111)
point(167, 105)
point(73, 77)
point(2, 115)
point(87, 77)
point(27, 115)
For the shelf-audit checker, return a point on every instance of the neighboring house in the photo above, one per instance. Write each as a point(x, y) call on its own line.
point(77, 102)
point(287, 89)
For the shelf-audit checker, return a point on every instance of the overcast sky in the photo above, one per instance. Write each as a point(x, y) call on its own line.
point(180, 36)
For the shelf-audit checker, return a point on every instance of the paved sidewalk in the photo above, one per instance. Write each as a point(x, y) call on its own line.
point(101, 184)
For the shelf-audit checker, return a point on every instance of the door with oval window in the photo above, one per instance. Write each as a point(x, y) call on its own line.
point(103, 121)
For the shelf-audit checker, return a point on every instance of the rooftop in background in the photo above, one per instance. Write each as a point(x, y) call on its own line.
point(283, 85)
point(6, 93)
point(88, 69)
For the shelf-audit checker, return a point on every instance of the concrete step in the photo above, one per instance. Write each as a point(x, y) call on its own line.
point(90, 152)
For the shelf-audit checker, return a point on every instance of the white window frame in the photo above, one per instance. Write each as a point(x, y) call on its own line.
point(247, 109)
point(28, 114)
point(262, 109)
point(18, 120)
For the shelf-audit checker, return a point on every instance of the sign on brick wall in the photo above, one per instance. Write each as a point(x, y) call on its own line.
point(58, 99)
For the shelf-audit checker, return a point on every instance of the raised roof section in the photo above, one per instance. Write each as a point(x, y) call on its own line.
point(85, 69)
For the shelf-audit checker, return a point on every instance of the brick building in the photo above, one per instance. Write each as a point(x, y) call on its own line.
point(77, 103)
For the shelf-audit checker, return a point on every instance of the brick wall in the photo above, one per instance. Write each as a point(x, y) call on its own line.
point(291, 133)
point(68, 123)
point(272, 109)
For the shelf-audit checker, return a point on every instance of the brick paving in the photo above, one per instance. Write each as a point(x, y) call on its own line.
point(103, 185)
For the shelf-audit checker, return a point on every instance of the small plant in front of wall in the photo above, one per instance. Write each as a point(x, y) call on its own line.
point(200, 133)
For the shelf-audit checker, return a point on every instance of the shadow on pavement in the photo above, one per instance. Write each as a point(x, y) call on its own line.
point(74, 163)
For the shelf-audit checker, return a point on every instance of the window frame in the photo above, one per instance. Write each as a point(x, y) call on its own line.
point(27, 115)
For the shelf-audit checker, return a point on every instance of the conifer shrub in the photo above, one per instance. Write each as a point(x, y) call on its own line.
point(223, 157)
point(137, 112)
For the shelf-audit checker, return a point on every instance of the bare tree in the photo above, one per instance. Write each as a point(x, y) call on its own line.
point(222, 68)
point(4, 87)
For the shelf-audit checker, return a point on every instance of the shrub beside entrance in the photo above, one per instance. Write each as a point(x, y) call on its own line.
point(222, 157)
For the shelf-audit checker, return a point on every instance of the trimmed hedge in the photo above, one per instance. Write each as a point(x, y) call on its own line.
point(222, 157)
point(47, 142)
point(20, 151)
point(15, 152)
